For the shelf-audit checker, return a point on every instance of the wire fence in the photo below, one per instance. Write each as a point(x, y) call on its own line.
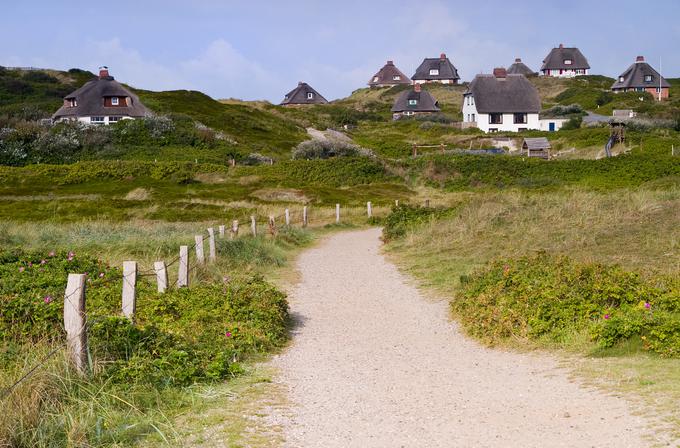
point(75, 299)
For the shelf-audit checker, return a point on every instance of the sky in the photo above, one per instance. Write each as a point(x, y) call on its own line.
point(260, 49)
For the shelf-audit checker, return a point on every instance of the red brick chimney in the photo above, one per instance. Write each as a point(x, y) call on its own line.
point(640, 59)
point(518, 59)
point(442, 56)
point(561, 45)
point(103, 72)
point(300, 83)
point(390, 62)
point(416, 88)
point(500, 72)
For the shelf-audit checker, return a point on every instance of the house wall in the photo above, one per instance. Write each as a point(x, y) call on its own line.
point(441, 81)
point(88, 120)
point(544, 123)
point(570, 73)
point(651, 90)
point(508, 124)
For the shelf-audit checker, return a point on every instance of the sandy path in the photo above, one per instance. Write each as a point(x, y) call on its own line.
point(374, 364)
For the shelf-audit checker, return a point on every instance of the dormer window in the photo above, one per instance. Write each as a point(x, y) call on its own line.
point(376, 79)
point(71, 102)
point(412, 102)
point(310, 96)
point(396, 78)
point(568, 62)
point(114, 101)
point(621, 79)
point(434, 72)
point(648, 78)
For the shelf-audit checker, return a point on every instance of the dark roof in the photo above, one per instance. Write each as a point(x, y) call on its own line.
point(520, 68)
point(557, 56)
point(504, 95)
point(90, 100)
point(634, 76)
point(424, 101)
point(442, 63)
point(299, 95)
point(536, 144)
point(386, 76)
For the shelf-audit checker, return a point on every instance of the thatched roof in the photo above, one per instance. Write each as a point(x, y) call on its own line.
point(90, 100)
point(387, 75)
point(557, 56)
point(520, 68)
point(300, 95)
point(424, 101)
point(509, 94)
point(442, 63)
point(634, 77)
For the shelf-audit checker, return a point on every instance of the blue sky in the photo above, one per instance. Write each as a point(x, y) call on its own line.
point(260, 49)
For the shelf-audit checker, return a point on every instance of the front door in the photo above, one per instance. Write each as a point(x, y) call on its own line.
point(551, 126)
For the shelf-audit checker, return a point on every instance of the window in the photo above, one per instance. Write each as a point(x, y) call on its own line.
point(114, 119)
point(396, 78)
point(648, 78)
point(376, 79)
point(97, 120)
point(72, 102)
point(473, 117)
point(434, 72)
point(412, 102)
point(493, 129)
point(621, 78)
point(495, 118)
point(568, 62)
point(521, 129)
point(658, 90)
point(409, 112)
point(310, 96)
point(114, 101)
point(520, 118)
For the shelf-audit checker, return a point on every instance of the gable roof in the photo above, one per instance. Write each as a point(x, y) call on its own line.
point(557, 56)
point(520, 68)
point(634, 76)
point(442, 63)
point(425, 102)
point(512, 94)
point(299, 95)
point(386, 76)
point(536, 144)
point(90, 100)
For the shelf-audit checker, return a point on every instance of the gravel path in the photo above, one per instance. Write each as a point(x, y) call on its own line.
point(375, 364)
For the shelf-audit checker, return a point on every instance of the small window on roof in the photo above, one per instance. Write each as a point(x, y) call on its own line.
point(412, 102)
point(396, 78)
point(568, 62)
point(648, 78)
point(376, 79)
point(310, 95)
point(72, 102)
point(434, 72)
point(114, 101)
point(621, 78)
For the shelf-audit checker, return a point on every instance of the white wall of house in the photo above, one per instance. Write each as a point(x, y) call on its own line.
point(440, 81)
point(569, 73)
point(470, 115)
point(557, 123)
point(105, 120)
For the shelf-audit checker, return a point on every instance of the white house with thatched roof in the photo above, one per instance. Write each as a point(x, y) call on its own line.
point(389, 76)
point(501, 103)
point(565, 62)
point(439, 70)
point(302, 95)
point(101, 101)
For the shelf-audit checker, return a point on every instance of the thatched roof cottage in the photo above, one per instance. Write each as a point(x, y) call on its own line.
point(101, 101)
point(520, 68)
point(303, 94)
point(641, 77)
point(436, 70)
point(389, 76)
point(565, 62)
point(414, 102)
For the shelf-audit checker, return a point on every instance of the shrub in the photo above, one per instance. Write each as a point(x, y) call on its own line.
point(573, 123)
point(39, 76)
point(552, 299)
point(329, 148)
point(405, 217)
point(561, 111)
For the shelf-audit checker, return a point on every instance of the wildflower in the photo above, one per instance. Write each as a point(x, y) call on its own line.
point(71, 256)
point(607, 317)
point(42, 262)
point(225, 279)
point(101, 275)
point(227, 334)
point(648, 305)
point(52, 253)
point(47, 299)
point(22, 269)
point(30, 264)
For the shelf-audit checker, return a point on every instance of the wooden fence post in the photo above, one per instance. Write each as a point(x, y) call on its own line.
point(304, 216)
point(337, 213)
point(272, 225)
point(221, 229)
point(129, 289)
point(234, 229)
point(427, 203)
point(253, 225)
point(161, 276)
point(415, 150)
point(396, 202)
point(369, 209)
point(212, 252)
point(287, 214)
point(183, 274)
point(75, 321)
point(200, 257)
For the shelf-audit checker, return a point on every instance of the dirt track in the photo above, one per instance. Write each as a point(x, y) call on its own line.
point(375, 364)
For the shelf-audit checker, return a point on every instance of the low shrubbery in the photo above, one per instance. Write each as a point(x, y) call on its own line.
point(328, 148)
point(404, 217)
point(555, 300)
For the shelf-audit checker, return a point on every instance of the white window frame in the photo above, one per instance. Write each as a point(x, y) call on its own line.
point(310, 95)
point(72, 102)
point(98, 120)
point(621, 79)
point(412, 102)
point(568, 62)
point(648, 78)
point(409, 112)
point(115, 101)
point(497, 114)
point(115, 119)
point(434, 72)
point(396, 78)
point(376, 79)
